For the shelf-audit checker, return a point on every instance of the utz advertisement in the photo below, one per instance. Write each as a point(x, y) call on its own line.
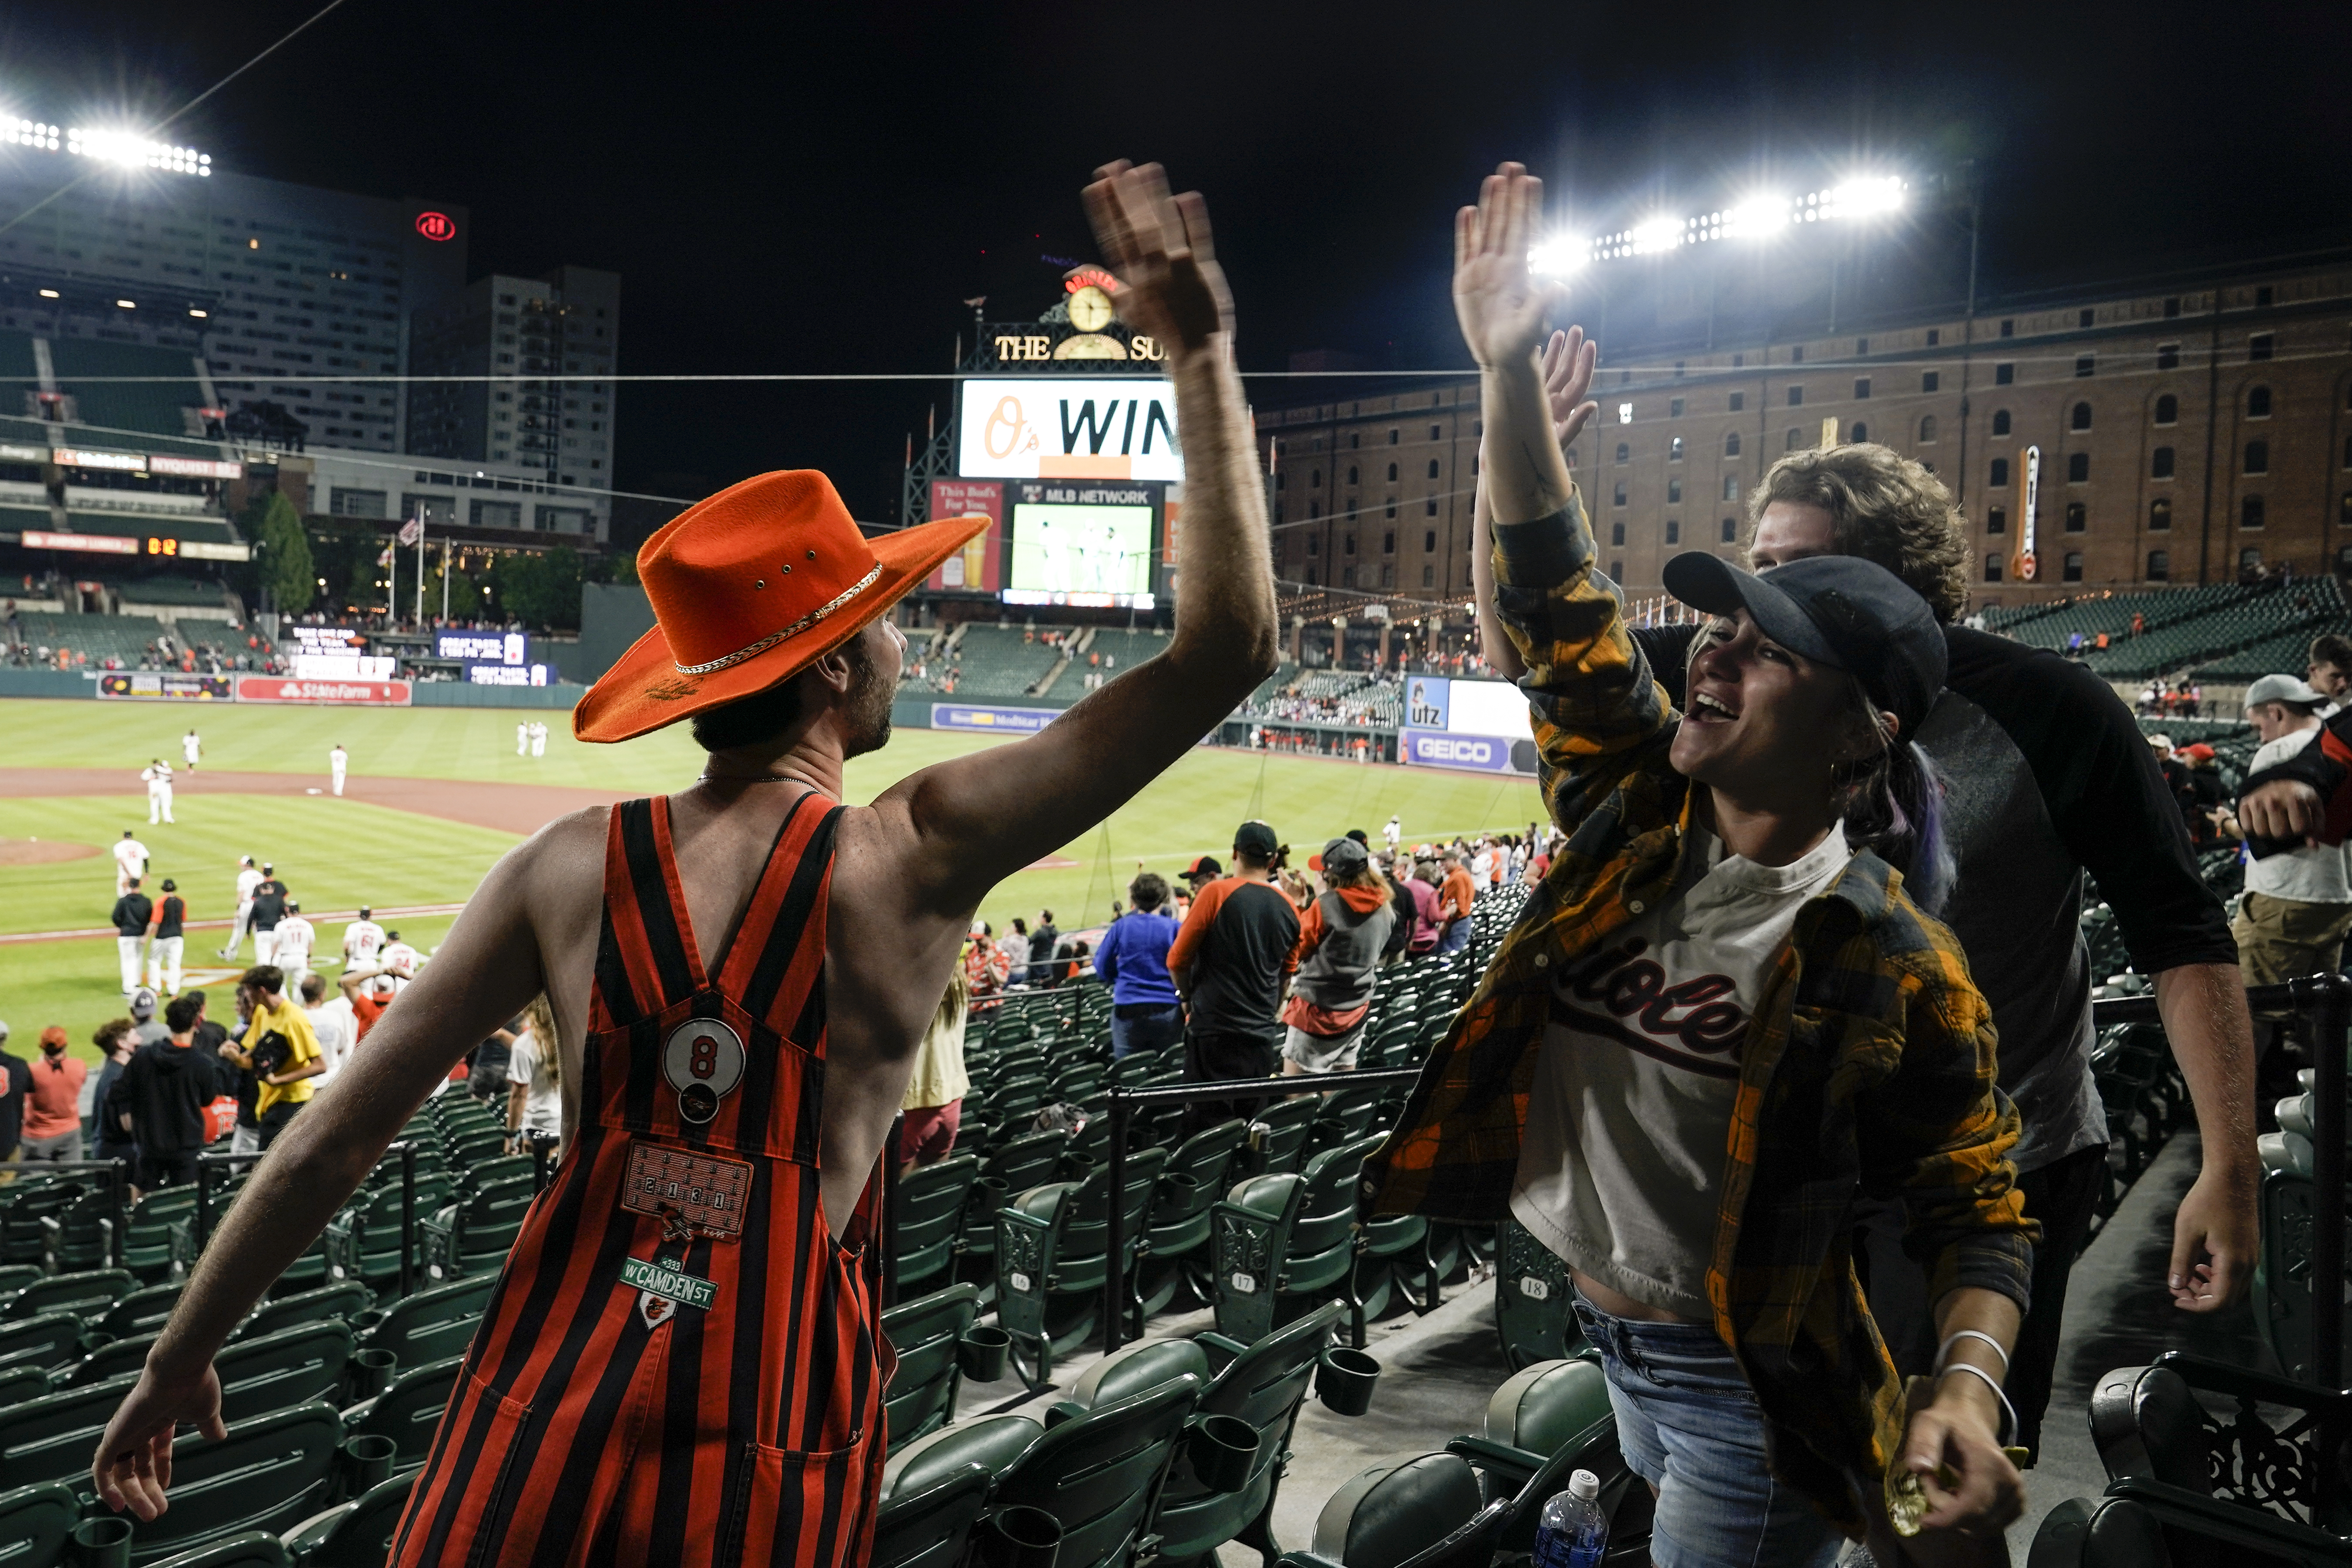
point(337, 693)
point(164, 686)
point(992, 720)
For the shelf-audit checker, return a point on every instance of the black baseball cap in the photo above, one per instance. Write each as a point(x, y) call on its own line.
point(1203, 868)
point(1254, 838)
point(1838, 610)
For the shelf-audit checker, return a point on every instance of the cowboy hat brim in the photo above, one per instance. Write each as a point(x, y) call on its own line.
point(645, 692)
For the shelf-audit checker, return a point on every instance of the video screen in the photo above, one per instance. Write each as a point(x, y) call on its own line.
point(1098, 556)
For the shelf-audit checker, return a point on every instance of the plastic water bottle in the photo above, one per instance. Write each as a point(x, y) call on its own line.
point(1573, 1531)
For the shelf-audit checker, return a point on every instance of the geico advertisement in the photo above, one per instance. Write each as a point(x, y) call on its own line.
point(1046, 427)
point(1485, 753)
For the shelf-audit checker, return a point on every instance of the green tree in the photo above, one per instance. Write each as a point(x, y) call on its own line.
point(538, 590)
point(281, 554)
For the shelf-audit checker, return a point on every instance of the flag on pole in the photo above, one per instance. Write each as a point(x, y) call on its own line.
point(385, 558)
point(411, 531)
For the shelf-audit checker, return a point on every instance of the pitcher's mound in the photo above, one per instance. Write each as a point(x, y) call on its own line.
point(42, 851)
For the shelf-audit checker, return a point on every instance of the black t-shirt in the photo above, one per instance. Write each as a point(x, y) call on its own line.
point(175, 910)
point(268, 904)
point(1242, 933)
point(12, 1098)
point(130, 912)
point(2046, 775)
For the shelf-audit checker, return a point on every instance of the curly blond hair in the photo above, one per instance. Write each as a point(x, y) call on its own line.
point(1883, 506)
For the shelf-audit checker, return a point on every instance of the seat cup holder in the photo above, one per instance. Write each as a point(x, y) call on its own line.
point(988, 1195)
point(983, 1352)
point(367, 1459)
point(371, 1372)
point(1344, 1379)
point(1016, 1537)
point(103, 1543)
point(1222, 1449)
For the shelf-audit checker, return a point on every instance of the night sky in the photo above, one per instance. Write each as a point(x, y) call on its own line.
point(798, 188)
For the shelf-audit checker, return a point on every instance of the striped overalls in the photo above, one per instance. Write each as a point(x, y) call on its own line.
point(679, 1365)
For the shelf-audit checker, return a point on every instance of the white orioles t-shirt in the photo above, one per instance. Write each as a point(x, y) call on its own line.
point(1622, 1165)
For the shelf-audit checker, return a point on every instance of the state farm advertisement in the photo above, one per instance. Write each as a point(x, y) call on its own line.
point(340, 693)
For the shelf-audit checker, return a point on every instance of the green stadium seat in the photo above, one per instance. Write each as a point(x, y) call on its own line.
point(90, 1293)
point(1277, 1137)
point(482, 1172)
point(409, 1410)
point(50, 1340)
point(276, 1316)
point(930, 1527)
point(268, 1474)
point(475, 1234)
point(1283, 1242)
point(487, 1143)
point(287, 1369)
point(15, 1276)
point(355, 1534)
point(434, 1324)
point(1532, 1299)
point(19, 1383)
point(125, 1357)
point(1176, 1235)
point(1052, 1259)
point(1098, 1472)
point(81, 1233)
point(246, 1548)
point(930, 1203)
point(927, 1335)
point(143, 1310)
point(36, 1523)
point(1262, 1386)
point(1426, 1511)
point(51, 1439)
point(2102, 1532)
point(364, 1242)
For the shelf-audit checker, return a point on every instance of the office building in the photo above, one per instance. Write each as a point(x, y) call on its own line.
point(556, 337)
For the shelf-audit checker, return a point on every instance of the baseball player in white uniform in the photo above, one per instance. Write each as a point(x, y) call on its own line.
point(523, 737)
point(538, 739)
point(362, 940)
point(296, 938)
point(337, 760)
point(1394, 833)
point(402, 961)
point(247, 878)
point(157, 777)
point(129, 863)
point(190, 748)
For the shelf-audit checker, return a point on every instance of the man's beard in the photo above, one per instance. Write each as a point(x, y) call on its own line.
point(865, 719)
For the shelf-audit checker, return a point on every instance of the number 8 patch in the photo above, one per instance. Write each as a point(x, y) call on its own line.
point(703, 1060)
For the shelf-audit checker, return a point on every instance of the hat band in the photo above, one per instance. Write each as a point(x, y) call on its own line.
point(795, 630)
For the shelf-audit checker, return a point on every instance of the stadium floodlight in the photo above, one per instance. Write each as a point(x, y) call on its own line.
point(128, 149)
point(1558, 256)
point(19, 132)
point(1862, 198)
point(1757, 217)
point(1651, 237)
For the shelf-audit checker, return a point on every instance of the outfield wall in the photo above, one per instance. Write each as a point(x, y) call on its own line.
point(422, 694)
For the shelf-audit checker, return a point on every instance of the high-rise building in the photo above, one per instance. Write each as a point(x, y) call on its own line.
point(557, 337)
point(107, 238)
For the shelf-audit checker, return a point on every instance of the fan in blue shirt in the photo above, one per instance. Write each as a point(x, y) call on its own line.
point(1146, 1014)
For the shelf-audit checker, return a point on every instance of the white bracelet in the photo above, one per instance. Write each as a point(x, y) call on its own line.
point(1989, 1382)
point(1959, 1334)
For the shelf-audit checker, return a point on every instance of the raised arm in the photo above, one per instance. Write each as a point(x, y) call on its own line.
point(981, 817)
point(486, 972)
point(1568, 363)
point(1595, 705)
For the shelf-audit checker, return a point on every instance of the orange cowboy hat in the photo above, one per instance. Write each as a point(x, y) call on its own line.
point(749, 588)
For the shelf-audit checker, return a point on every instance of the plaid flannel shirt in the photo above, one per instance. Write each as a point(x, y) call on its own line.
point(1868, 1066)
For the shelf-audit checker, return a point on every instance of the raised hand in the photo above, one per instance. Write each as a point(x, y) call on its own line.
point(1158, 246)
point(1501, 308)
point(1568, 362)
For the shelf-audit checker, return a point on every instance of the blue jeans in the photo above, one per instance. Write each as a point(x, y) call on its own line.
point(1152, 1030)
point(1456, 936)
point(1688, 1426)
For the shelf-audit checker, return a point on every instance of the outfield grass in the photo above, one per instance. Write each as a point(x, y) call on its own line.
point(335, 854)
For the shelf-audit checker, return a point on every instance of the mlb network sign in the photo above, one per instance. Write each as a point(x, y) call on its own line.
point(992, 720)
point(1053, 427)
point(1483, 753)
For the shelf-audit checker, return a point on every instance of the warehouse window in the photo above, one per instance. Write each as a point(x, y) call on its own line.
point(2258, 457)
point(2160, 464)
point(2000, 421)
point(2250, 512)
point(2071, 572)
point(2081, 418)
point(1997, 520)
point(2168, 410)
point(1992, 568)
point(1999, 478)
point(2258, 402)
point(2159, 565)
point(2159, 515)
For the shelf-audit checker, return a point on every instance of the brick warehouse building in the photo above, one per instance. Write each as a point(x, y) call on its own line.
point(2187, 435)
